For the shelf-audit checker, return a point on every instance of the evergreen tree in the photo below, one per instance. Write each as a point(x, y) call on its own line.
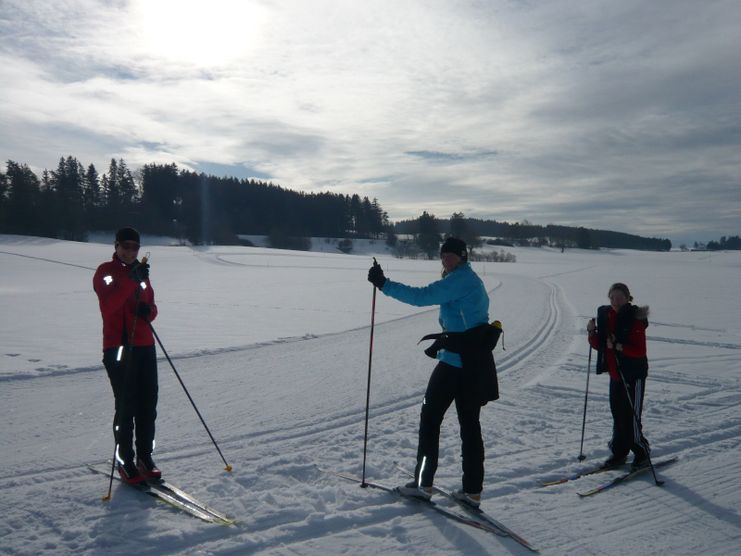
point(161, 200)
point(111, 191)
point(379, 219)
point(584, 239)
point(91, 188)
point(356, 216)
point(733, 242)
point(121, 194)
point(126, 186)
point(105, 188)
point(428, 237)
point(67, 182)
point(92, 199)
point(48, 211)
point(22, 199)
point(3, 198)
point(366, 219)
point(459, 228)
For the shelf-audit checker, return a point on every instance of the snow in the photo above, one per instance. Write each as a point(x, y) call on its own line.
point(273, 346)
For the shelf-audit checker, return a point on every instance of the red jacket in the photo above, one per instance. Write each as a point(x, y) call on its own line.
point(117, 298)
point(633, 345)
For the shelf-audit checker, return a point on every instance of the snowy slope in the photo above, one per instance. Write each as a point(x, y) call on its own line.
point(273, 346)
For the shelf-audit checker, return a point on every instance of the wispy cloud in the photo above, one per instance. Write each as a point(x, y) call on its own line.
point(451, 157)
point(621, 115)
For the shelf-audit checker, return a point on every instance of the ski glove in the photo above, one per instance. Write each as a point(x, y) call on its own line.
point(144, 310)
point(139, 272)
point(376, 277)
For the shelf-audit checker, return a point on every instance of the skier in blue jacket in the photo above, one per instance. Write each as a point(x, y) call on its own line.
point(464, 305)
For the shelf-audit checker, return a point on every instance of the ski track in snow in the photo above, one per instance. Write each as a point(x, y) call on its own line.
point(283, 410)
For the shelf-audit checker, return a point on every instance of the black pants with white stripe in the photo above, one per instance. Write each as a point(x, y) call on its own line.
point(135, 389)
point(448, 384)
point(627, 435)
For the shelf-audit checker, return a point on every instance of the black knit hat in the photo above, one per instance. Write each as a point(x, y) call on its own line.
point(455, 246)
point(127, 234)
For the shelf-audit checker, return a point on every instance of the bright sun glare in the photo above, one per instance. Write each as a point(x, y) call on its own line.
point(199, 32)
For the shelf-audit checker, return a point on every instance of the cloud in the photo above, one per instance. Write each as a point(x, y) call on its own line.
point(437, 156)
point(605, 115)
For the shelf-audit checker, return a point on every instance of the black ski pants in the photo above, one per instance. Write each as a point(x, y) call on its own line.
point(627, 434)
point(133, 378)
point(448, 384)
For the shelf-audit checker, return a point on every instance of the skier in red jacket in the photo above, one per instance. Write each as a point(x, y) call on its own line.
point(127, 306)
point(619, 336)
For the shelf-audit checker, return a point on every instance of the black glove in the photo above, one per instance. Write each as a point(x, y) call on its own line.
point(375, 276)
point(139, 272)
point(144, 310)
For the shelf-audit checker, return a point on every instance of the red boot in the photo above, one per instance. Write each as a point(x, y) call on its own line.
point(147, 467)
point(129, 473)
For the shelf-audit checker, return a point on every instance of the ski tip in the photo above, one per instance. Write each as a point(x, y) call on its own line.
point(553, 483)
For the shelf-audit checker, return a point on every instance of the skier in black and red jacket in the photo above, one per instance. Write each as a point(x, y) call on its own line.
point(619, 336)
point(127, 306)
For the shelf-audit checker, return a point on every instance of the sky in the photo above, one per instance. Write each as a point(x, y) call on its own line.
point(613, 115)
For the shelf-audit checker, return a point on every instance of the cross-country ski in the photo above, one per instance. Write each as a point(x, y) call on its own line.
point(626, 477)
point(430, 504)
point(601, 468)
point(479, 514)
point(171, 495)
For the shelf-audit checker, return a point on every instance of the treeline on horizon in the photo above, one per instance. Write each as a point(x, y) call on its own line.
point(534, 235)
point(732, 243)
point(68, 202)
point(162, 199)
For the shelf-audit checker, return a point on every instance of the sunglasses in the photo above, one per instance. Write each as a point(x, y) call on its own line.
point(129, 245)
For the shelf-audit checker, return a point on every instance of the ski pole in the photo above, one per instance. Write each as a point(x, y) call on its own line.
point(637, 421)
point(582, 457)
point(363, 484)
point(228, 466)
point(127, 372)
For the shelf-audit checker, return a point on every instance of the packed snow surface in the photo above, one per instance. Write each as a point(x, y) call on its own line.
point(274, 345)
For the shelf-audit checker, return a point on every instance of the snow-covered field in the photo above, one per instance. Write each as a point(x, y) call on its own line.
point(273, 346)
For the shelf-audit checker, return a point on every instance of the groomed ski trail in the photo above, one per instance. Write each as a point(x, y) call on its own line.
point(279, 433)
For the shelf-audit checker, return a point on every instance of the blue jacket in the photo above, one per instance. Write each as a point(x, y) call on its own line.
point(463, 302)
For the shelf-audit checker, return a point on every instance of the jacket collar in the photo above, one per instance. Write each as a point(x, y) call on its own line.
point(115, 259)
